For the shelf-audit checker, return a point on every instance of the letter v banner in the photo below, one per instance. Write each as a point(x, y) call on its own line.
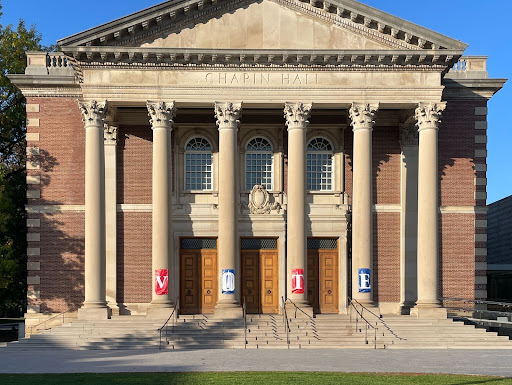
point(161, 282)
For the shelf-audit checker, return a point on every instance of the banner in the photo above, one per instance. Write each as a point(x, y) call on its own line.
point(365, 281)
point(297, 281)
point(228, 281)
point(161, 282)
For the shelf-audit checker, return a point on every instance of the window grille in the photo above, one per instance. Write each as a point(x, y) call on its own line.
point(199, 243)
point(319, 168)
point(259, 244)
point(258, 164)
point(322, 243)
point(198, 164)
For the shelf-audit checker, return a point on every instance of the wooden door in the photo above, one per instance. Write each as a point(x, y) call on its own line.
point(189, 281)
point(328, 267)
point(313, 281)
point(323, 288)
point(260, 281)
point(269, 282)
point(198, 281)
point(251, 280)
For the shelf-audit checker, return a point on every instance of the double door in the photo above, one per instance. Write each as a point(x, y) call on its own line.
point(198, 281)
point(323, 280)
point(260, 281)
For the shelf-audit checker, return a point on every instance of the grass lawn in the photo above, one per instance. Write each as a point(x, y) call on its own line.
point(274, 378)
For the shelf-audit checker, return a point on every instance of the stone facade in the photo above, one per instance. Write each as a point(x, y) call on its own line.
point(393, 112)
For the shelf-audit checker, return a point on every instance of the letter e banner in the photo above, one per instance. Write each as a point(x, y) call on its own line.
point(365, 281)
point(161, 282)
point(297, 281)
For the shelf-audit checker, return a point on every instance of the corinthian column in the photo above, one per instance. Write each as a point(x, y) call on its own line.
point(95, 305)
point(297, 115)
point(161, 115)
point(228, 117)
point(428, 116)
point(362, 115)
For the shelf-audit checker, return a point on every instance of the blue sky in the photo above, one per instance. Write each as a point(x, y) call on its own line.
point(481, 24)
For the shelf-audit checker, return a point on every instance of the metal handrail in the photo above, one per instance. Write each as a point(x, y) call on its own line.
point(379, 319)
point(49, 319)
point(173, 313)
point(368, 324)
point(244, 309)
point(298, 308)
point(286, 323)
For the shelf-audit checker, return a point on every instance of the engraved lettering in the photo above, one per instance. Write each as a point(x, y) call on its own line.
point(209, 78)
point(285, 79)
point(266, 78)
point(222, 77)
point(297, 79)
point(246, 77)
point(235, 78)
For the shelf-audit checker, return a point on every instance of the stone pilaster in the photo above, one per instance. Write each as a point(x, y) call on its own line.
point(161, 114)
point(110, 131)
point(95, 305)
point(362, 115)
point(428, 116)
point(408, 215)
point(297, 115)
point(228, 117)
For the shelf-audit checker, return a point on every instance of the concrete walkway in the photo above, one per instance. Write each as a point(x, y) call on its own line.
point(479, 362)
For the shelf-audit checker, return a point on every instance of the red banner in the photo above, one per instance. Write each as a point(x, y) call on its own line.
point(297, 281)
point(161, 282)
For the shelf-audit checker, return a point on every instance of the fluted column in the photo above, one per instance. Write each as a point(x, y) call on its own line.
point(110, 147)
point(228, 117)
point(161, 115)
point(428, 116)
point(95, 305)
point(297, 115)
point(362, 115)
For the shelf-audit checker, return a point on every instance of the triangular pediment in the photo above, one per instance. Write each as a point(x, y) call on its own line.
point(263, 24)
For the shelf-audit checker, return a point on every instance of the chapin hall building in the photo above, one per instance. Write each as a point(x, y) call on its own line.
point(216, 151)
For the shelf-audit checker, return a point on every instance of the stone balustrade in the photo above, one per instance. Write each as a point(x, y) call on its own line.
point(469, 67)
point(44, 63)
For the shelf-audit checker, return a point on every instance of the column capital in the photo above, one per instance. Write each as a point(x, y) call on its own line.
point(93, 112)
point(408, 134)
point(161, 114)
point(362, 114)
point(428, 115)
point(297, 115)
point(228, 114)
point(110, 134)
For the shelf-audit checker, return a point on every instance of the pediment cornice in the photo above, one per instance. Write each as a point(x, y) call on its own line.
point(171, 16)
point(359, 60)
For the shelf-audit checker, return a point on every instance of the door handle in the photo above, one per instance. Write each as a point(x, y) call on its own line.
point(329, 292)
point(269, 291)
point(208, 292)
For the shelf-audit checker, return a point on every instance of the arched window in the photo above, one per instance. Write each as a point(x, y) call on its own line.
point(258, 164)
point(319, 165)
point(198, 164)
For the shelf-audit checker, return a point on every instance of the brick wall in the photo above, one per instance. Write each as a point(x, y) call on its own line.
point(134, 257)
point(386, 155)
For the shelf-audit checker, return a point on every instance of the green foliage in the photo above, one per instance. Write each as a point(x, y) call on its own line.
point(13, 44)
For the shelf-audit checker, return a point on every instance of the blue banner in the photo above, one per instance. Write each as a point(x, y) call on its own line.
point(365, 281)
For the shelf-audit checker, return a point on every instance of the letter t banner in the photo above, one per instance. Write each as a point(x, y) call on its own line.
point(161, 282)
point(297, 281)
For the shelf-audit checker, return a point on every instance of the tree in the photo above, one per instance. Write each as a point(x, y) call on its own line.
point(13, 244)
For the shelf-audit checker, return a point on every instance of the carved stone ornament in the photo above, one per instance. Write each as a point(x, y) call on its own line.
point(259, 202)
point(297, 114)
point(408, 135)
point(110, 134)
point(428, 115)
point(93, 112)
point(161, 113)
point(228, 114)
point(362, 114)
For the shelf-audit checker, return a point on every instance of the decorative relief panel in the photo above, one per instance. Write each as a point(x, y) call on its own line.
point(259, 202)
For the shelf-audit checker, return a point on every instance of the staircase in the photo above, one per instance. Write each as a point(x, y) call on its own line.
point(263, 332)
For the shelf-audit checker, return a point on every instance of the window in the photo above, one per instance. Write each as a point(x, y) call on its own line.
point(258, 164)
point(198, 164)
point(319, 165)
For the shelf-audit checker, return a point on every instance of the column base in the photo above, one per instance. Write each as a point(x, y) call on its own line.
point(161, 313)
point(429, 311)
point(228, 310)
point(114, 308)
point(94, 313)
